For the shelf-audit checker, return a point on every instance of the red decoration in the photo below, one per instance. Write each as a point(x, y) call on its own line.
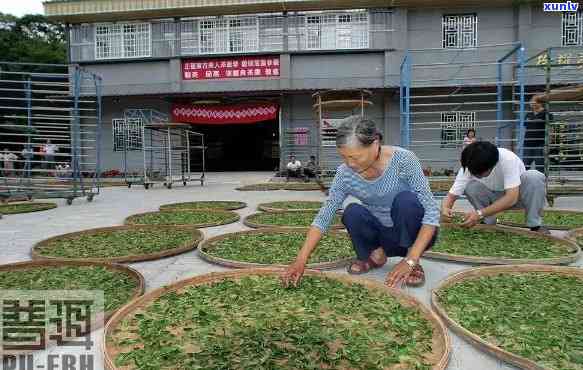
point(235, 67)
point(224, 114)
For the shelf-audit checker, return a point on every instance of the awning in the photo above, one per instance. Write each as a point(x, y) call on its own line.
point(224, 114)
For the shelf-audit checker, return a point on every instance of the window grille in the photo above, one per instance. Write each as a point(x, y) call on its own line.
point(122, 40)
point(127, 134)
point(460, 31)
point(454, 126)
point(572, 29)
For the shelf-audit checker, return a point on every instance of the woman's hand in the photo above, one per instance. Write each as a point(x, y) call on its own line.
point(399, 274)
point(293, 274)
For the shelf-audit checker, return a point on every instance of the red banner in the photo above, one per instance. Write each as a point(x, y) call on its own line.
point(235, 67)
point(224, 114)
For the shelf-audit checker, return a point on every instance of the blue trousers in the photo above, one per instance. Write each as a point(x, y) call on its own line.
point(367, 232)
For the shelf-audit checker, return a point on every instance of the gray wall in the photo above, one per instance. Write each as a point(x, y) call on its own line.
point(114, 109)
point(414, 29)
point(298, 72)
point(297, 112)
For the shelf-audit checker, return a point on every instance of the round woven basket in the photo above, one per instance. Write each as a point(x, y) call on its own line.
point(248, 221)
point(38, 207)
point(571, 247)
point(478, 341)
point(230, 218)
point(270, 207)
point(575, 234)
point(191, 245)
point(552, 227)
point(134, 274)
point(268, 186)
point(208, 205)
point(301, 186)
point(441, 341)
point(208, 244)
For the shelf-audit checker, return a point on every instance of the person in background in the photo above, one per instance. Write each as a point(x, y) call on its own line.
point(8, 157)
point(493, 180)
point(469, 138)
point(398, 215)
point(535, 132)
point(27, 155)
point(48, 151)
point(311, 169)
point(294, 168)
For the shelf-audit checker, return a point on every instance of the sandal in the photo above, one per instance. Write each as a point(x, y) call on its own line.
point(363, 267)
point(417, 277)
point(375, 264)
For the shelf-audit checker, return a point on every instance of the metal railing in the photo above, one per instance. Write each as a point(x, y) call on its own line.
point(479, 88)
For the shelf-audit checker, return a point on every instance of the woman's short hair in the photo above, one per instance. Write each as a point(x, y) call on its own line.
point(357, 130)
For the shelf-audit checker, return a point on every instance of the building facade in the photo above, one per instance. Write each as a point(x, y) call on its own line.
point(243, 72)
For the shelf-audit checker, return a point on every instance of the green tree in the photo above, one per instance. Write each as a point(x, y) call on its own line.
point(32, 39)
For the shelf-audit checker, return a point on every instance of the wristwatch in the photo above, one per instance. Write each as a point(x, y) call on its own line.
point(480, 213)
point(411, 263)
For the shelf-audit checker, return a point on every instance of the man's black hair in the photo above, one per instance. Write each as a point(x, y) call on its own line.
point(480, 157)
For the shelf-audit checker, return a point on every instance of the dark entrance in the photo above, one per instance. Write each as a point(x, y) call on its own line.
point(241, 147)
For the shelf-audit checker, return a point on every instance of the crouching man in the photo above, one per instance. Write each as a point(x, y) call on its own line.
point(495, 180)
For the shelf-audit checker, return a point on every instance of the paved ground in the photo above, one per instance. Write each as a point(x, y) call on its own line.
point(18, 233)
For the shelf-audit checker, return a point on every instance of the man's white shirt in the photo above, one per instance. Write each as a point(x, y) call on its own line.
point(505, 175)
point(294, 166)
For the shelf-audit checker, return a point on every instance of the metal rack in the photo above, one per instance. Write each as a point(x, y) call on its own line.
point(480, 88)
point(42, 102)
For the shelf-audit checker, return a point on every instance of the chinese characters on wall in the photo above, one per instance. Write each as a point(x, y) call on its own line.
point(237, 67)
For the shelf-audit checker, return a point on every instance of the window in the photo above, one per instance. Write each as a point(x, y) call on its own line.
point(460, 31)
point(337, 31)
point(127, 134)
point(189, 37)
point(454, 126)
point(82, 42)
point(228, 35)
point(128, 40)
point(271, 31)
point(572, 29)
point(243, 34)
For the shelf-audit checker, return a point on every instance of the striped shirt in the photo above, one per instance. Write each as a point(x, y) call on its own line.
point(403, 173)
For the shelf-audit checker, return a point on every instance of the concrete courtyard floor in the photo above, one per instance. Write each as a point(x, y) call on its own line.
point(18, 234)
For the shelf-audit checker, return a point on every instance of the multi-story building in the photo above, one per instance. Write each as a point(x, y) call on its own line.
point(244, 71)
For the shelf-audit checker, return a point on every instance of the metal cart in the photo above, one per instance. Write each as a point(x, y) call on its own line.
point(172, 153)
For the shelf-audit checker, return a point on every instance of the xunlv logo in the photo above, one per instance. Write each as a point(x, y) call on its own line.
point(561, 7)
